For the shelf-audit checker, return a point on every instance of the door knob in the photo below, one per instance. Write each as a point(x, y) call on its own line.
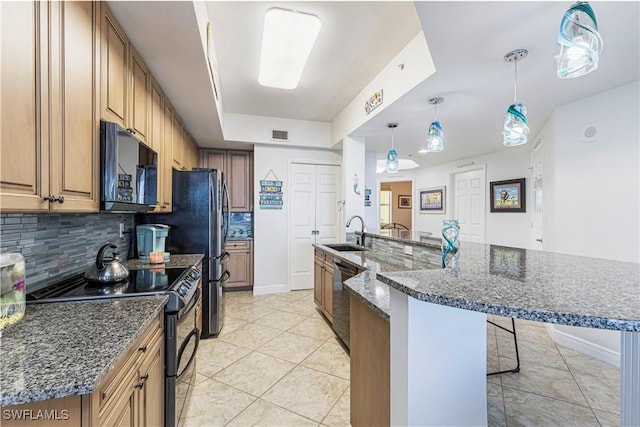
point(50, 198)
point(59, 199)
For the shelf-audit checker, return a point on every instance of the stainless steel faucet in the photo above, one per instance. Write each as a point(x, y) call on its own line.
point(363, 229)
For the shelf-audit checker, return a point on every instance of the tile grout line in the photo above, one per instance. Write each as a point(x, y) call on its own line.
point(577, 383)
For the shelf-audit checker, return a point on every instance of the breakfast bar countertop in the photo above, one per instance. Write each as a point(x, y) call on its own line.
point(66, 349)
point(533, 285)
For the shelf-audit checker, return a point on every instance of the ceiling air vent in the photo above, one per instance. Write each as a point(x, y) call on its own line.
point(279, 135)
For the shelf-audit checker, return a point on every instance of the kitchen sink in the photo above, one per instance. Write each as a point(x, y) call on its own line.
point(345, 247)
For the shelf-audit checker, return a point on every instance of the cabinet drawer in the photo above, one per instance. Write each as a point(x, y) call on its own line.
point(237, 244)
point(129, 362)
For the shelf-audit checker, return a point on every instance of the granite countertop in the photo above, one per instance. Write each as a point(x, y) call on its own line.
point(175, 261)
point(239, 239)
point(534, 285)
point(420, 238)
point(66, 349)
point(365, 286)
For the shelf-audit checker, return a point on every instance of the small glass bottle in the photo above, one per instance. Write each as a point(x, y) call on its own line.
point(12, 297)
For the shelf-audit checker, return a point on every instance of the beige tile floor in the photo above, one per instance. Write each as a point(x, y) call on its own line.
point(278, 363)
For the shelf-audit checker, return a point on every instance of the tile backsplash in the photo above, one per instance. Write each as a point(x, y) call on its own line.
point(57, 245)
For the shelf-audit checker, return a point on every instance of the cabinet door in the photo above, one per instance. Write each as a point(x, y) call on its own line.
point(238, 267)
point(178, 146)
point(239, 167)
point(24, 176)
point(138, 120)
point(318, 277)
point(167, 159)
point(115, 52)
point(154, 139)
point(151, 398)
point(327, 290)
point(74, 127)
point(216, 160)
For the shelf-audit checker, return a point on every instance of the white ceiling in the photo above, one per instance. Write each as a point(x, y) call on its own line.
point(356, 41)
point(467, 41)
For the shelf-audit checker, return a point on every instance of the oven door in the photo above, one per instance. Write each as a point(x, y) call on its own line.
point(188, 339)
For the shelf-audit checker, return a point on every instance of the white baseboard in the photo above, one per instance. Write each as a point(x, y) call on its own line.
point(270, 289)
point(583, 346)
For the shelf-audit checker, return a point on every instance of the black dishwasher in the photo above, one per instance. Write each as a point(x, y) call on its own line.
point(341, 271)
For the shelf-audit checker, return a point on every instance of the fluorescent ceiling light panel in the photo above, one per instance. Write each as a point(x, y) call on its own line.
point(287, 41)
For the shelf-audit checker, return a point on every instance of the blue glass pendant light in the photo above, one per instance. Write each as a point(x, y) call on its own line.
point(580, 42)
point(435, 135)
point(392, 155)
point(515, 130)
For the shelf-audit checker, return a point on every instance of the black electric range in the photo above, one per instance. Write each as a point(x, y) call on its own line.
point(178, 283)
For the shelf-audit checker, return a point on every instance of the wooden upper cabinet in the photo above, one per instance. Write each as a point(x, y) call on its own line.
point(50, 137)
point(237, 167)
point(178, 143)
point(23, 83)
point(215, 160)
point(139, 99)
point(154, 138)
point(74, 127)
point(239, 180)
point(156, 117)
point(166, 174)
point(115, 54)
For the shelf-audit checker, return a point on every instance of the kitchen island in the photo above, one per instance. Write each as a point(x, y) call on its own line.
point(448, 386)
point(67, 349)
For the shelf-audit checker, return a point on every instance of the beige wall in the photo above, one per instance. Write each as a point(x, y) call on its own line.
point(399, 188)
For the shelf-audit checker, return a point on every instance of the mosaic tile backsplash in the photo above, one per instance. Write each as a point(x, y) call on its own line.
point(57, 245)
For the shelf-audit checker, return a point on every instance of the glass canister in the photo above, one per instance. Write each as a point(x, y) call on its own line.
point(12, 297)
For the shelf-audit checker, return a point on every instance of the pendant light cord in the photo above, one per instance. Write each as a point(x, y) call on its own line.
point(435, 112)
point(392, 138)
point(515, 85)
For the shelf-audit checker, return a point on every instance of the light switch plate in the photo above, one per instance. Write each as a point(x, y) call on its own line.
point(408, 250)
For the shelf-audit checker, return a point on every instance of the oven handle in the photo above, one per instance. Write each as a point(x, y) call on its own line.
point(194, 303)
point(183, 346)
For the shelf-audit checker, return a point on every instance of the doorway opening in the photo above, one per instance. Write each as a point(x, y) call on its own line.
point(396, 205)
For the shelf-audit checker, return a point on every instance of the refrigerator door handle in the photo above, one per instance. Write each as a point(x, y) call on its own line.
point(228, 219)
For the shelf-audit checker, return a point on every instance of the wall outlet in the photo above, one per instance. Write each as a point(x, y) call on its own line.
point(408, 250)
point(121, 234)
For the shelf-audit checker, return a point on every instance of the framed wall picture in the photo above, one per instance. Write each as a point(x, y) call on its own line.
point(432, 200)
point(404, 202)
point(508, 196)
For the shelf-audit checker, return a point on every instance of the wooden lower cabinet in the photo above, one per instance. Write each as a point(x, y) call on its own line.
point(323, 283)
point(132, 394)
point(370, 352)
point(239, 265)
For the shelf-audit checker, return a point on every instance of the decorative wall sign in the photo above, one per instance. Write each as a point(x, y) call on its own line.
point(374, 102)
point(271, 192)
point(508, 196)
point(367, 197)
point(432, 200)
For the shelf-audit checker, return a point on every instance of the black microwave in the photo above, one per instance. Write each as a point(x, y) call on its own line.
point(129, 171)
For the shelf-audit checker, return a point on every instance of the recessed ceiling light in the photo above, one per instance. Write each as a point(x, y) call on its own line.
point(287, 41)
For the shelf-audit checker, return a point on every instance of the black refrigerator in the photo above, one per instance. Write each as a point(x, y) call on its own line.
point(199, 224)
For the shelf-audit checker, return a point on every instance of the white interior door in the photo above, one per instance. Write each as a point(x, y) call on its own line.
point(537, 180)
point(327, 190)
point(468, 204)
point(314, 217)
